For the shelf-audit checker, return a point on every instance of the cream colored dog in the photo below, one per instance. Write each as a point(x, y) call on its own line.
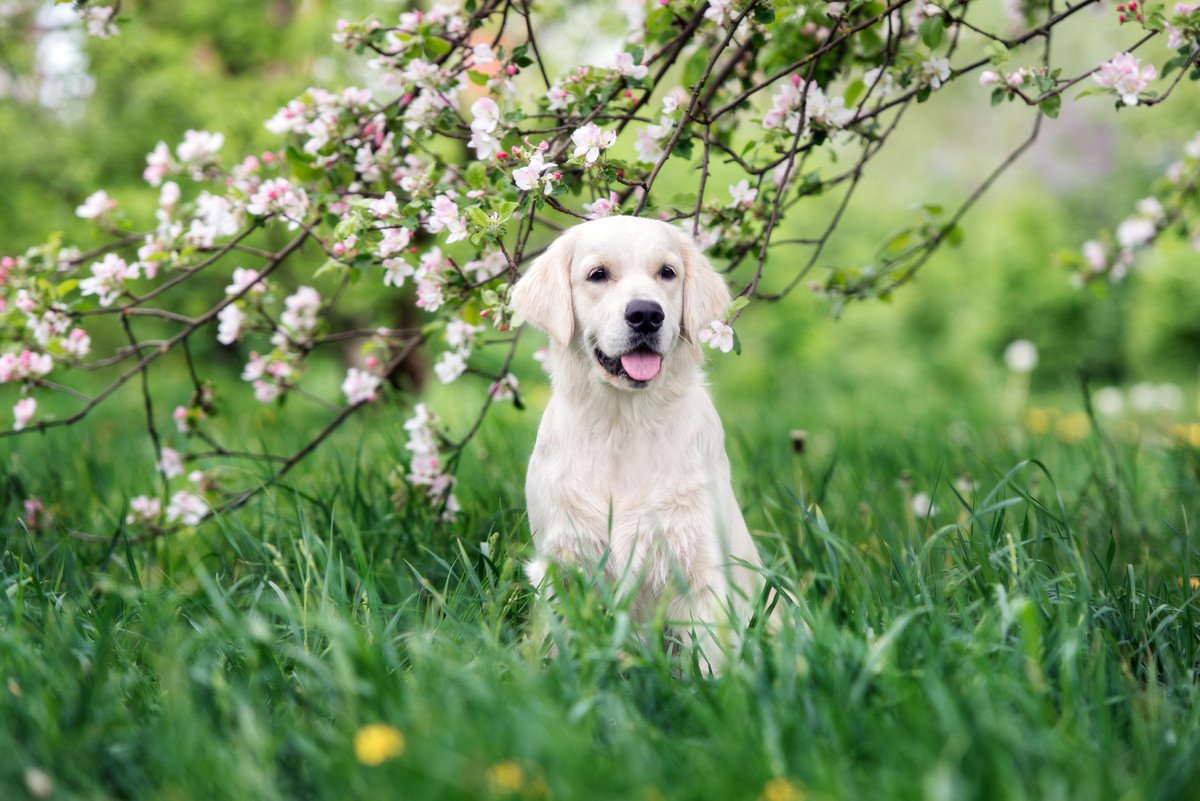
point(629, 469)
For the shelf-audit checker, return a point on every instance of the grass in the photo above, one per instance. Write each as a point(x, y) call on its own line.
point(1035, 638)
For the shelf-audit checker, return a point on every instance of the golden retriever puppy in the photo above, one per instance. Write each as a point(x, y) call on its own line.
point(629, 470)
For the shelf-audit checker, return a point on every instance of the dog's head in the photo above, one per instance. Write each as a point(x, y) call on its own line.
point(626, 292)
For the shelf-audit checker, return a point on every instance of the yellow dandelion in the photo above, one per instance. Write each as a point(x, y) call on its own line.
point(505, 778)
point(1037, 420)
point(1187, 433)
point(780, 789)
point(376, 743)
point(1193, 583)
point(1073, 427)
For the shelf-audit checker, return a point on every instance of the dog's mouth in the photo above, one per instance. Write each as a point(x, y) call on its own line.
point(639, 365)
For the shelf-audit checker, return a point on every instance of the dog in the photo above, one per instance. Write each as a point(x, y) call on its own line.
point(629, 473)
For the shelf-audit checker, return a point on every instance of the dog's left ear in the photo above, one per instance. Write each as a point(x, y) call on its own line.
point(705, 294)
point(543, 294)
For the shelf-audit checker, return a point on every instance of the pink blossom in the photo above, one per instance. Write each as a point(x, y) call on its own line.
point(96, 205)
point(198, 150)
point(505, 389)
point(482, 54)
point(101, 21)
point(77, 343)
point(300, 310)
point(590, 140)
point(742, 194)
point(187, 508)
point(1126, 76)
point(558, 97)
point(278, 196)
point(603, 207)
point(445, 215)
point(158, 164)
point(231, 322)
point(360, 386)
point(935, 71)
point(396, 271)
point(108, 279)
point(429, 295)
point(526, 178)
point(244, 279)
point(450, 366)
point(623, 63)
point(718, 335)
point(169, 463)
point(385, 206)
point(143, 509)
point(989, 77)
point(180, 417)
point(23, 412)
point(395, 240)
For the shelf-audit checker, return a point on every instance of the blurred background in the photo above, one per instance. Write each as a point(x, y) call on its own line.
point(79, 113)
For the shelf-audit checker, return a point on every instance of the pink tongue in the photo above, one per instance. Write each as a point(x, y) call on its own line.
point(641, 365)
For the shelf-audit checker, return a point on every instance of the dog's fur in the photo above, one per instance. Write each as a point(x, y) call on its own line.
point(629, 474)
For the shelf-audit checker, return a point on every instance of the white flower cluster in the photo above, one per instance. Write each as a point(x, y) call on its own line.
point(536, 175)
point(719, 336)
point(425, 468)
point(1125, 75)
point(651, 140)
point(460, 337)
point(819, 110)
point(279, 196)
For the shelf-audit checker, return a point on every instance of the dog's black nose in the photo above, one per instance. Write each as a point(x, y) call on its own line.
point(644, 316)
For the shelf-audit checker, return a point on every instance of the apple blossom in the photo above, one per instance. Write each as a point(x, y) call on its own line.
point(97, 205)
point(526, 178)
point(232, 321)
point(1126, 76)
point(450, 366)
point(245, 279)
point(742, 194)
point(186, 508)
point(143, 509)
point(590, 141)
point(169, 463)
point(623, 63)
point(603, 207)
point(719, 336)
point(360, 386)
point(158, 164)
point(23, 412)
point(77, 343)
point(108, 279)
point(278, 196)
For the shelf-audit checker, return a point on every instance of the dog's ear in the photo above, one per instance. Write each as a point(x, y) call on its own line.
point(543, 294)
point(705, 294)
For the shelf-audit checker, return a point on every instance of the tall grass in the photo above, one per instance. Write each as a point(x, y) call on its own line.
point(1034, 638)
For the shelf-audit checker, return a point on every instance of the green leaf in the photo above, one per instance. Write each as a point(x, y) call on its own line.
point(764, 15)
point(436, 47)
point(931, 31)
point(998, 53)
point(477, 78)
point(1051, 105)
point(998, 96)
point(854, 91)
point(739, 303)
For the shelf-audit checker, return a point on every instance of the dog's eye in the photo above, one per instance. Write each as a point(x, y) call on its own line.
point(598, 275)
point(667, 273)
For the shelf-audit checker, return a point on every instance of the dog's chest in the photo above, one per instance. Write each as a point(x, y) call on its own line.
point(642, 498)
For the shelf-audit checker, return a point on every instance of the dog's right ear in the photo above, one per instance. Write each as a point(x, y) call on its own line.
point(543, 294)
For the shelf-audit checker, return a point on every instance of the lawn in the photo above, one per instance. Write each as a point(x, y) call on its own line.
point(1034, 637)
